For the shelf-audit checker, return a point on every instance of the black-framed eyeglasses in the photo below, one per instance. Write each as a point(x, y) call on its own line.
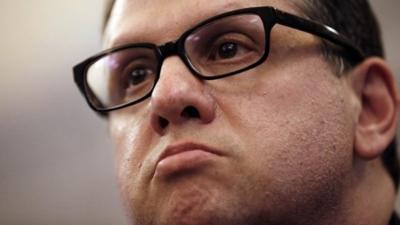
point(218, 47)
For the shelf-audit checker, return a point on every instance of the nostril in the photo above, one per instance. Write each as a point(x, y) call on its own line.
point(163, 122)
point(190, 112)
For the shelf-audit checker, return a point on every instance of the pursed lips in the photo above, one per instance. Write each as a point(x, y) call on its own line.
point(184, 156)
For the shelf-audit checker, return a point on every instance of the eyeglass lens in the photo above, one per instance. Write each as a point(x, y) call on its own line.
point(226, 45)
point(122, 77)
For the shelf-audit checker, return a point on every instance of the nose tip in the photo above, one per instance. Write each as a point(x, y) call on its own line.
point(188, 108)
point(179, 97)
point(160, 123)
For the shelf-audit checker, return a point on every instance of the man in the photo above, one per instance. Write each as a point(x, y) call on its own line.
point(248, 112)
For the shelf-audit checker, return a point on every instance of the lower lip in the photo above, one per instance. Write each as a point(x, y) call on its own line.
point(182, 162)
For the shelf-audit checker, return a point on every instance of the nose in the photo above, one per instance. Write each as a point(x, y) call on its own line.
point(179, 97)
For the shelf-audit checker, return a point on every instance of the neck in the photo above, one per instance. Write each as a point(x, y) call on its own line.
point(368, 197)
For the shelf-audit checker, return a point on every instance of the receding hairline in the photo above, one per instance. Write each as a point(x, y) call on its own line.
point(107, 12)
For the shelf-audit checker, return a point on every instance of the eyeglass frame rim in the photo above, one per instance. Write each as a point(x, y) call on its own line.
point(270, 16)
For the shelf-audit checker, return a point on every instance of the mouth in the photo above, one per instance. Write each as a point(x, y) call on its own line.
point(184, 157)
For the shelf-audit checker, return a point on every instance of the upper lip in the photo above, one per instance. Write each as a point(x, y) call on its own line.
point(183, 147)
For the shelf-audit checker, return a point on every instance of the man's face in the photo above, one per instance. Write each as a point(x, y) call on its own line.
point(271, 145)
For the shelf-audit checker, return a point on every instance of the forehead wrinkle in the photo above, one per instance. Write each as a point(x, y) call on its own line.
point(170, 25)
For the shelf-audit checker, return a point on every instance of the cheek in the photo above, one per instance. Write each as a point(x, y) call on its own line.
point(131, 139)
point(122, 131)
point(311, 130)
point(130, 143)
point(296, 132)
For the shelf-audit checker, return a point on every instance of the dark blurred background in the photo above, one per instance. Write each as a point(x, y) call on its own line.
point(56, 161)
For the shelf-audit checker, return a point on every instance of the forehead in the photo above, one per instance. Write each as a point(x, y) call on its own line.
point(145, 20)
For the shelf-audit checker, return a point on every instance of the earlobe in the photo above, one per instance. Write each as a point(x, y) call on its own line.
point(376, 126)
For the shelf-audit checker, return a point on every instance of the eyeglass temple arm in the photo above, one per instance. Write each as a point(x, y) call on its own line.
point(320, 30)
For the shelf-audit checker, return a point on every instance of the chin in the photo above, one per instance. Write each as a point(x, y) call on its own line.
point(190, 204)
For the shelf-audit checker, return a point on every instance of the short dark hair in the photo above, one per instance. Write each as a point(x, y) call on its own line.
point(355, 20)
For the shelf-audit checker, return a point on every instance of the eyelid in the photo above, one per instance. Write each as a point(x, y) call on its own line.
point(137, 63)
point(124, 62)
point(242, 40)
point(234, 37)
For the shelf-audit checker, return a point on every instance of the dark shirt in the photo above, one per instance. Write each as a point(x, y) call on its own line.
point(394, 220)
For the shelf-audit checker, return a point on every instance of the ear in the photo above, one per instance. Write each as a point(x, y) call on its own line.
point(376, 89)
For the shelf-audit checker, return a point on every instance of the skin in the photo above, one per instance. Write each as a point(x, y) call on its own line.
point(296, 143)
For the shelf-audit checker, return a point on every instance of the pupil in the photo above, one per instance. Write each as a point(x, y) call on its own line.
point(228, 50)
point(138, 76)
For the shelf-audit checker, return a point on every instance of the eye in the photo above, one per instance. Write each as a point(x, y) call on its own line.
point(231, 47)
point(137, 80)
point(138, 75)
point(227, 50)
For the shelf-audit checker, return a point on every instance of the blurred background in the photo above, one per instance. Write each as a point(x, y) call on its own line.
point(56, 161)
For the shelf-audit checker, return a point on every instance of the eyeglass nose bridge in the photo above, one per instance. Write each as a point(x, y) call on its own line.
point(168, 49)
point(173, 48)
